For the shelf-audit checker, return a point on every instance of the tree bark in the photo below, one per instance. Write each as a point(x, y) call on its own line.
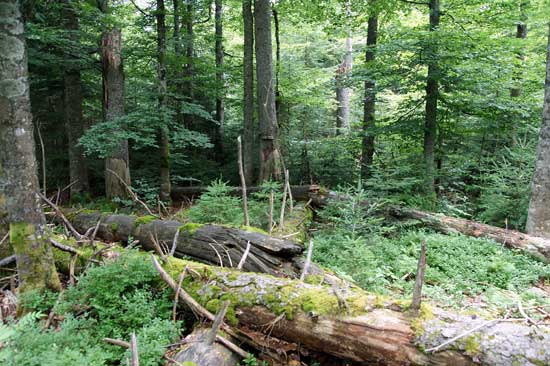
point(369, 122)
point(113, 108)
point(363, 332)
point(213, 244)
point(178, 82)
point(18, 180)
point(432, 96)
point(343, 91)
point(277, 62)
point(164, 146)
point(248, 92)
point(538, 218)
point(74, 121)
point(220, 87)
point(270, 157)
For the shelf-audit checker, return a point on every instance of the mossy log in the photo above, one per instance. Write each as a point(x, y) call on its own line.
point(536, 246)
point(214, 244)
point(356, 326)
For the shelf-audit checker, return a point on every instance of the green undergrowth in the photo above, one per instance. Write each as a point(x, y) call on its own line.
point(109, 301)
point(461, 271)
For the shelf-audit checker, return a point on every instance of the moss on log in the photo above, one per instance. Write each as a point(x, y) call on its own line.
point(357, 326)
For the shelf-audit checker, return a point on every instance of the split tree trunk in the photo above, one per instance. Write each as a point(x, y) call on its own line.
point(113, 108)
point(74, 120)
point(270, 156)
point(248, 92)
point(538, 219)
point(354, 326)
point(18, 180)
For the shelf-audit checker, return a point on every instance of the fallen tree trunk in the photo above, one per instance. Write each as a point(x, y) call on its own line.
point(299, 193)
point(356, 326)
point(536, 246)
point(212, 244)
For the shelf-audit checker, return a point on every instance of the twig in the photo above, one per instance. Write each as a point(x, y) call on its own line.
point(60, 214)
point(175, 243)
point(63, 247)
point(217, 253)
point(243, 182)
point(245, 255)
point(216, 324)
point(72, 264)
point(43, 150)
point(283, 206)
point(290, 199)
point(232, 346)
point(462, 335)
point(271, 205)
point(4, 238)
point(524, 314)
point(419, 281)
point(181, 277)
point(117, 342)
point(52, 312)
point(157, 247)
point(132, 193)
point(134, 349)
point(8, 260)
point(308, 260)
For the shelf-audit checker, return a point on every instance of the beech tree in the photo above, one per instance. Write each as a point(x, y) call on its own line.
point(538, 219)
point(248, 90)
point(18, 179)
point(270, 156)
point(220, 87)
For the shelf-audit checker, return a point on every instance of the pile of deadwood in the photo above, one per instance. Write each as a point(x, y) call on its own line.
point(279, 305)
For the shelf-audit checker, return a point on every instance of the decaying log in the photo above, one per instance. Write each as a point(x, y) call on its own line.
point(536, 246)
point(299, 193)
point(372, 330)
point(213, 244)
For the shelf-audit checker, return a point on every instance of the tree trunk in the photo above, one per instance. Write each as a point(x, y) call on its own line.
point(369, 122)
point(220, 87)
point(113, 108)
point(164, 145)
point(178, 82)
point(248, 92)
point(356, 326)
point(189, 119)
point(270, 157)
point(432, 96)
point(74, 121)
point(521, 34)
point(538, 219)
point(18, 180)
point(215, 244)
point(277, 62)
point(343, 91)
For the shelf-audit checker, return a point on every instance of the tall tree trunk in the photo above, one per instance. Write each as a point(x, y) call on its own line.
point(270, 157)
point(248, 92)
point(277, 62)
point(432, 95)
point(538, 219)
point(220, 113)
point(74, 121)
point(369, 122)
point(113, 108)
point(343, 92)
point(189, 119)
point(164, 193)
point(18, 180)
point(521, 34)
point(179, 68)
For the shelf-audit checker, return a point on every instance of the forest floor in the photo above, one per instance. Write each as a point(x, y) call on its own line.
point(476, 276)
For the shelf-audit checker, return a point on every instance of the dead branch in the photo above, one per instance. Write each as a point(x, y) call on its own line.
point(174, 243)
point(63, 247)
point(245, 255)
point(271, 205)
point(308, 260)
point(134, 196)
point(283, 205)
point(61, 215)
point(419, 281)
point(290, 198)
point(181, 277)
point(232, 346)
point(216, 324)
point(8, 260)
point(134, 349)
point(117, 342)
point(243, 183)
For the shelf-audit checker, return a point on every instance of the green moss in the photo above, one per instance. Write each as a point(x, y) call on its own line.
point(143, 220)
point(314, 279)
point(417, 323)
point(114, 227)
point(472, 345)
point(190, 227)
